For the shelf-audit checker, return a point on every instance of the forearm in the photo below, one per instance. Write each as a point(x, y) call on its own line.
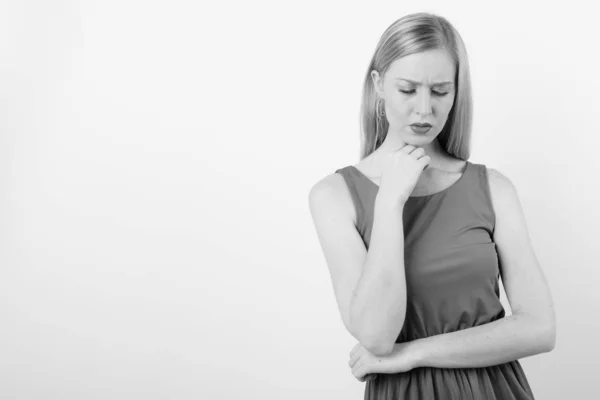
point(507, 339)
point(378, 304)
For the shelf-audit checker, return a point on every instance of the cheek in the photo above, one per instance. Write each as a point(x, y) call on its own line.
point(446, 105)
point(399, 107)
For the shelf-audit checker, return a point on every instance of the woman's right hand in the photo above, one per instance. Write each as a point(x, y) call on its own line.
point(401, 171)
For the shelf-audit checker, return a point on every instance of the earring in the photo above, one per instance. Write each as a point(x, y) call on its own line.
point(379, 108)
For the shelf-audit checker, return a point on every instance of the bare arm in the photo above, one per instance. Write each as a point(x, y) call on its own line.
point(369, 286)
point(378, 303)
point(507, 339)
point(511, 338)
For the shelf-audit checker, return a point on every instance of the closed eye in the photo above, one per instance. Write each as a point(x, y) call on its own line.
point(434, 92)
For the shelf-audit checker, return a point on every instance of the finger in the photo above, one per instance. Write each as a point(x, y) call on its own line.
point(425, 161)
point(356, 367)
point(355, 357)
point(407, 148)
point(359, 377)
point(418, 152)
point(361, 373)
point(354, 349)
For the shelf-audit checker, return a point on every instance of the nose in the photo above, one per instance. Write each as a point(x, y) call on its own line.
point(424, 103)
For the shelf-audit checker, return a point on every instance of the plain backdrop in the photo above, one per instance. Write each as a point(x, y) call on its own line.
point(155, 164)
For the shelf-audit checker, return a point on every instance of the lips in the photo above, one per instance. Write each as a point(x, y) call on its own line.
point(425, 125)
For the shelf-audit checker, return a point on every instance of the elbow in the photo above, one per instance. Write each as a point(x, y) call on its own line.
point(543, 331)
point(549, 333)
point(378, 346)
point(373, 344)
point(550, 338)
point(379, 349)
point(379, 343)
point(545, 335)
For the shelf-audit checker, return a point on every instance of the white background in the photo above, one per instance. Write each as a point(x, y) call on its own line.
point(155, 164)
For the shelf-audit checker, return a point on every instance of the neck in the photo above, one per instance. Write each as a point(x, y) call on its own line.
point(439, 156)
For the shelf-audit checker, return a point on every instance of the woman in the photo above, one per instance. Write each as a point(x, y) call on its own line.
point(416, 237)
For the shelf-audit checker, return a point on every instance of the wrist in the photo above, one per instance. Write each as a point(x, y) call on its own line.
point(404, 357)
point(389, 202)
point(416, 353)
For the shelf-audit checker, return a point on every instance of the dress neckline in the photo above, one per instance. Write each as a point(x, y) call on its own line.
point(467, 165)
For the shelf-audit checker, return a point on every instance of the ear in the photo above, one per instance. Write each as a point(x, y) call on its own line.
point(377, 82)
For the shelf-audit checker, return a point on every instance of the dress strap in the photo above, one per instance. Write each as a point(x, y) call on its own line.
point(351, 183)
point(484, 181)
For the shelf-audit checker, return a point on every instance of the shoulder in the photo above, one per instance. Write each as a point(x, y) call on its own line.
point(330, 193)
point(326, 187)
point(496, 177)
point(502, 189)
point(510, 219)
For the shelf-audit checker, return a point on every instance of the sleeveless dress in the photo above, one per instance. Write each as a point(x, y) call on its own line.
point(452, 281)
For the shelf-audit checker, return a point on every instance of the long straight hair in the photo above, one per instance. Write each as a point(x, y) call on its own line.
point(411, 34)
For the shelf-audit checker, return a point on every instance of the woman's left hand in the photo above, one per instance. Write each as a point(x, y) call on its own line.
point(363, 362)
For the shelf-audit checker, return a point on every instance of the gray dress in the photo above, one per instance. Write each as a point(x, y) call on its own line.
point(452, 281)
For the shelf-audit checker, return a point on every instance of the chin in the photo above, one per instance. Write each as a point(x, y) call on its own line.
point(419, 137)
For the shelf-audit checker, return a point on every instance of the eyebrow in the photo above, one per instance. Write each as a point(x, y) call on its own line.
point(419, 83)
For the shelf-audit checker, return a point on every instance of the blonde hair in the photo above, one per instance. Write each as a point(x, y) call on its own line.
point(411, 34)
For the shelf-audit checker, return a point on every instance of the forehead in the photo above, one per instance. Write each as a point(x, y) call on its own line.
point(427, 67)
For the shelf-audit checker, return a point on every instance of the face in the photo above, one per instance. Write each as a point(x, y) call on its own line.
point(428, 99)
